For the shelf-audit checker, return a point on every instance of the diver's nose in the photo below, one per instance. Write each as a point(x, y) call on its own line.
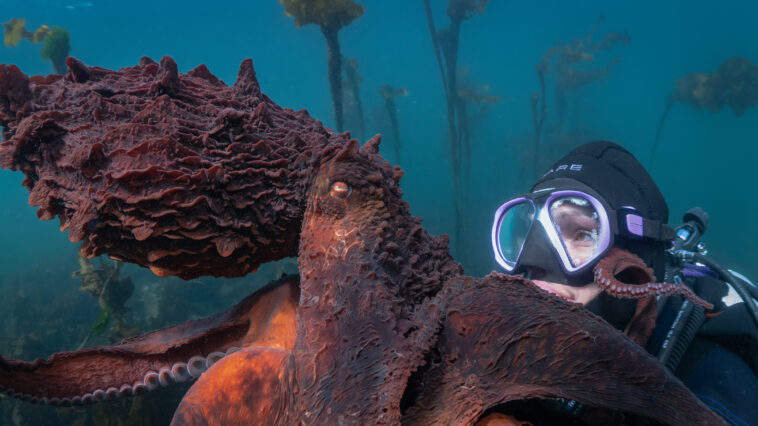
point(538, 258)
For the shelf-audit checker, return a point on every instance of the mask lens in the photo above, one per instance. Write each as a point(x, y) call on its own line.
point(578, 226)
point(514, 226)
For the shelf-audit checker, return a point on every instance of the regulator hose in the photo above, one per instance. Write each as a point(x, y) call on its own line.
point(684, 328)
point(746, 292)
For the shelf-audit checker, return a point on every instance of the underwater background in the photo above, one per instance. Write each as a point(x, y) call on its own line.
point(608, 67)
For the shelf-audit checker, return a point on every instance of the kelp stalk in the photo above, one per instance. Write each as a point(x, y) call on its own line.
point(473, 103)
point(538, 113)
point(669, 103)
point(331, 16)
point(389, 94)
point(334, 62)
point(353, 79)
point(446, 40)
point(435, 44)
point(566, 62)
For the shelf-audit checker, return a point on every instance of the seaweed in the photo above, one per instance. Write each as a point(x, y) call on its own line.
point(389, 93)
point(567, 62)
point(733, 85)
point(112, 292)
point(55, 49)
point(445, 43)
point(475, 101)
point(330, 16)
point(14, 31)
point(353, 94)
point(56, 41)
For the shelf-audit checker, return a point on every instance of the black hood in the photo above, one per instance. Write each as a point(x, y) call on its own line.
point(615, 174)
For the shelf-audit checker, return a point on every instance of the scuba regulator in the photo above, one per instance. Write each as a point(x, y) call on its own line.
point(687, 258)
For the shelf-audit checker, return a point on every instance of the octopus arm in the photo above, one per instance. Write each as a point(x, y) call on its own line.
point(505, 340)
point(159, 358)
point(252, 386)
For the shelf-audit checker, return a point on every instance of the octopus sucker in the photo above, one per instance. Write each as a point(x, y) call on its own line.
point(617, 260)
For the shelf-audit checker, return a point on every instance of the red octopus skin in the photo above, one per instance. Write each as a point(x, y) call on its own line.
point(187, 176)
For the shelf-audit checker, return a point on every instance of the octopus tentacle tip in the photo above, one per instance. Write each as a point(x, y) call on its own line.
point(619, 260)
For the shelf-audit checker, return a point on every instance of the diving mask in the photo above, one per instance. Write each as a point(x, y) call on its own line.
point(578, 226)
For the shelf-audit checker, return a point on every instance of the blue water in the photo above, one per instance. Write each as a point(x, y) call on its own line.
point(705, 159)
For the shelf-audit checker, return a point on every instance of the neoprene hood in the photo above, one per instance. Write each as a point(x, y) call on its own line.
point(615, 174)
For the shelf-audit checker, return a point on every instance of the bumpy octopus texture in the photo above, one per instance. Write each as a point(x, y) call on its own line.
point(188, 176)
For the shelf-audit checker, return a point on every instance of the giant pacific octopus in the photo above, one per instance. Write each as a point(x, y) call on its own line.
point(187, 176)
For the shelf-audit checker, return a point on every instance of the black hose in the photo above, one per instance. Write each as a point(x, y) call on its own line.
point(750, 286)
point(686, 324)
point(746, 294)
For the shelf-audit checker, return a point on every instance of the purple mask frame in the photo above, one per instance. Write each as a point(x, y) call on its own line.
point(543, 217)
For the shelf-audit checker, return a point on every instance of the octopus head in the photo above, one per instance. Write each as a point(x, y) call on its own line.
point(354, 198)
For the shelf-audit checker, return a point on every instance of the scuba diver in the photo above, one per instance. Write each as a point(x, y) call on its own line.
point(596, 203)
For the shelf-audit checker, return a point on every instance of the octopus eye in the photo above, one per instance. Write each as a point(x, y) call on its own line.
point(340, 190)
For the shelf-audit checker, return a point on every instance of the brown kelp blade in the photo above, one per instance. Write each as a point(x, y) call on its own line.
point(266, 318)
point(504, 340)
point(177, 172)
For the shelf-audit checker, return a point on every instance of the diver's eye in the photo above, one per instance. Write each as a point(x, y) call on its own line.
point(340, 190)
point(583, 236)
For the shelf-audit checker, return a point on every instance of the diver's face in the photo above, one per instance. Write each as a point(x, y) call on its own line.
point(582, 295)
point(578, 228)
